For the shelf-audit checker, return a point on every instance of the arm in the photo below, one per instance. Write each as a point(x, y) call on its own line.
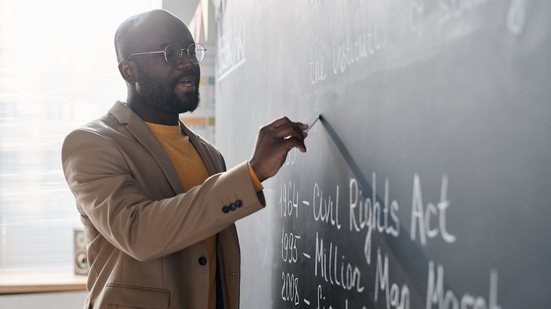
point(106, 191)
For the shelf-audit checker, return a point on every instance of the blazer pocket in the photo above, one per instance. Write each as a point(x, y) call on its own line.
point(132, 296)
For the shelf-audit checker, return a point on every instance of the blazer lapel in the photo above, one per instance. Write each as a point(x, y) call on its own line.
point(202, 149)
point(143, 135)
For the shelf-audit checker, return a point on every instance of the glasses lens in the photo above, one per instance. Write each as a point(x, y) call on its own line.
point(173, 54)
point(196, 53)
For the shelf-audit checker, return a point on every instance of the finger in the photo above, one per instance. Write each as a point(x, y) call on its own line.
point(280, 122)
point(293, 142)
point(289, 131)
point(300, 125)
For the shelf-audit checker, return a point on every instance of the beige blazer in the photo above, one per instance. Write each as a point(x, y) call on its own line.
point(144, 230)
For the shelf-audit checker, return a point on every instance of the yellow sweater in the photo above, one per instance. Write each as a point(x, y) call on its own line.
point(192, 172)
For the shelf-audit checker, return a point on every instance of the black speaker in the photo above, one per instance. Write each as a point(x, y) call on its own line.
point(80, 258)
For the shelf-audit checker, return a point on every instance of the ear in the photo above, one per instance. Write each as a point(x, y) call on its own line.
point(128, 70)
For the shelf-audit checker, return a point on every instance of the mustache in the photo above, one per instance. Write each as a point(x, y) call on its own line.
point(195, 72)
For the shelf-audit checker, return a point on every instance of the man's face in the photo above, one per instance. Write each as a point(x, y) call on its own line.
point(172, 93)
point(161, 86)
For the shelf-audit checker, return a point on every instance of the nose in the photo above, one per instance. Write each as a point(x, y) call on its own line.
point(185, 64)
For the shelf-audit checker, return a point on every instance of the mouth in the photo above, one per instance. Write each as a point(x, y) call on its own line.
point(187, 81)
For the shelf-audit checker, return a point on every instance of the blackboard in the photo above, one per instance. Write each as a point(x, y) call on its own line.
point(427, 183)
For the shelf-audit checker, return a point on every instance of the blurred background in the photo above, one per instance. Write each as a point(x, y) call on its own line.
point(58, 70)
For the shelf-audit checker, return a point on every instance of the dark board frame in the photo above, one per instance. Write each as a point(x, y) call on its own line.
point(433, 147)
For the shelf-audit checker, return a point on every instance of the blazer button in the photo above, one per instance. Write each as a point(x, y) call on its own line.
point(203, 261)
point(232, 206)
point(225, 209)
point(238, 203)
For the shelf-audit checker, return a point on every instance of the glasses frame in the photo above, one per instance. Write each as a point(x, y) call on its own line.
point(180, 55)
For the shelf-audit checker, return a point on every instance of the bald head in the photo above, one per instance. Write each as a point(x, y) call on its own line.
point(158, 89)
point(148, 30)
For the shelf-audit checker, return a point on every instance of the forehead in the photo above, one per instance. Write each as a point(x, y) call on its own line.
point(156, 32)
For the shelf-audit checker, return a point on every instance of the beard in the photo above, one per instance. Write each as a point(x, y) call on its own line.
point(159, 95)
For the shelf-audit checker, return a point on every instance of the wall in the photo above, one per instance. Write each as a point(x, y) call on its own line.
point(67, 300)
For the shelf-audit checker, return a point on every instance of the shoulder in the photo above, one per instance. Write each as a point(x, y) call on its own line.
point(102, 138)
point(110, 127)
point(105, 128)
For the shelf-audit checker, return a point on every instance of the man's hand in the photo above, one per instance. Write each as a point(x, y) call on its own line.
point(273, 143)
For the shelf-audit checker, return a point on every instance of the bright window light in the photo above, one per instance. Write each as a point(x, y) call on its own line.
point(58, 70)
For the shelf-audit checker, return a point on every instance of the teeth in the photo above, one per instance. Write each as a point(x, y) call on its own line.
point(186, 82)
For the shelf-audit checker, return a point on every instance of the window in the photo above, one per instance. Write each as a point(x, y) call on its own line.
point(58, 70)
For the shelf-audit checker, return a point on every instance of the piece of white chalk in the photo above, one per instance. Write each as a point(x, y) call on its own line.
point(313, 121)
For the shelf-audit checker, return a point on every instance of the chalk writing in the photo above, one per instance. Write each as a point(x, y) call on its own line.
point(289, 250)
point(288, 199)
point(371, 215)
point(291, 157)
point(377, 27)
point(342, 274)
point(322, 301)
point(394, 295)
point(325, 208)
point(317, 63)
point(453, 9)
point(416, 16)
point(420, 217)
point(349, 51)
point(289, 289)
point(516, 16)
point(231, 51)
point(442, 298)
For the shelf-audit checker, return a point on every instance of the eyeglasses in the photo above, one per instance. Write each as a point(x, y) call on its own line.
point(173, 53)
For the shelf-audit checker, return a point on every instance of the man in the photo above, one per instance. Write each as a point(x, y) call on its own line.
point(157, 205)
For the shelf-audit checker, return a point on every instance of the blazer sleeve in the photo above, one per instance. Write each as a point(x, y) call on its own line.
point(107, 193)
